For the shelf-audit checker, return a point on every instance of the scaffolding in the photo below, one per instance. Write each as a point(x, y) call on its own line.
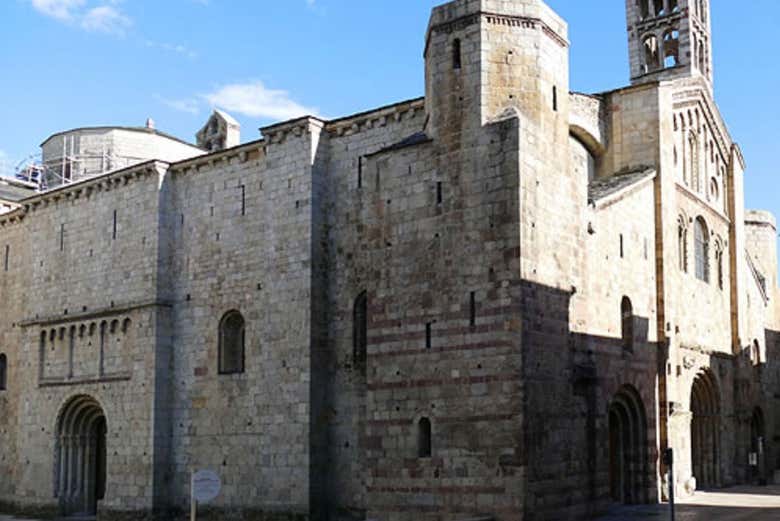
point(69, 167)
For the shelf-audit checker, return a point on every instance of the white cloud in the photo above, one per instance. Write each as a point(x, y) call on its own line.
point(255, 100)
point(100, 16)
point(179, 49)
point(105, 19)
point(188, 105)
point(59, 9)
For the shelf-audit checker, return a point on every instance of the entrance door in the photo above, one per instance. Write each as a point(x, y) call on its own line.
point(628, 465)
point(81, 457)
point(705, 426)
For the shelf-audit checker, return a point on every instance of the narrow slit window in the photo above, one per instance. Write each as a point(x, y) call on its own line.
point(555, 98)
point(243, 199)
point(7, 256)
point(424, 449)
point(3, 372)
point(113, 231)
point(439, 197)
point(627, 324)
point(428, 335)
point(682, 244)
point(456, 54)
point(622, 247)
point(360, 332)
point(473, 309)
point(360, 172)
point(62, 237)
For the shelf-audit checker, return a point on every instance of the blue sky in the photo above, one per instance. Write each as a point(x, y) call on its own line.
point(70, 63)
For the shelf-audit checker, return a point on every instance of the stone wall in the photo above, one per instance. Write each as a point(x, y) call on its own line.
point(75, 340)
point(519, 254)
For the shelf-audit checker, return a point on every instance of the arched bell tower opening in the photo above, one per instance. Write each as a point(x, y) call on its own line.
point(669, 39)
point(705, 431)
point(80, 457)
point(628, 454)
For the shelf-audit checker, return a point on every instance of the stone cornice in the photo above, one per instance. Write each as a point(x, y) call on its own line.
point(244, 153)
point(83, 188)
point(92, 315)
point(693, 92)
point(525, 22)
point(278, 133)
point(712, 211)
point(379, 117)
point(105, 379)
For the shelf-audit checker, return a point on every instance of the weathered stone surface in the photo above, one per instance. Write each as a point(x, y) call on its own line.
point(543, 317)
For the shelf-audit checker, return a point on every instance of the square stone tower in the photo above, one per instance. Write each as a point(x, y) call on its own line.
point(483, 57)
point(669, 39)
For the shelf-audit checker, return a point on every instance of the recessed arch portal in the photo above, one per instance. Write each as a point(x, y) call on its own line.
point(705, 429)
point(628, 456)
point(80, 456)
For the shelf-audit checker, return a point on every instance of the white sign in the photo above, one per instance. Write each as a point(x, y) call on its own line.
point(205, 486)
point(753, 459)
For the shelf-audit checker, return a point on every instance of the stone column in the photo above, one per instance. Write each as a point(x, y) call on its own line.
point(89, 474)
point(80, 491)
point(67, 443)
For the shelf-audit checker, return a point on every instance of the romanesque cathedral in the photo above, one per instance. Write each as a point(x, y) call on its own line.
point(502, 301)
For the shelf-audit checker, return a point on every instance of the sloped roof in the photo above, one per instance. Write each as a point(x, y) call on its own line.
point(12, 192)
point(227, 117)
point(601, 188)
point(415, 139)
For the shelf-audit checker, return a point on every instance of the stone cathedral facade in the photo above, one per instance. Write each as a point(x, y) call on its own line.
point(502, 301)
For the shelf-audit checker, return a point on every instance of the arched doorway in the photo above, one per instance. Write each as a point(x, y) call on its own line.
point(757, 449)
point(80, 456)
point(628, 464)
point(705, 430)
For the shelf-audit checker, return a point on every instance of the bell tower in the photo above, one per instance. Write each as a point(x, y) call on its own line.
point(669, 39)
point(483, 57)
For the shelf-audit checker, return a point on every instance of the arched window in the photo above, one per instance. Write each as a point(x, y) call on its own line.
point(700, 55)
point(650, 45)
point(702, 239)
point(3, 372)
point(714, 193)
point(360, 331)
point(627, 324)
point(682, 243)
point(674, 6)
point(231, 343)
point(755, 355)
point(659, 7)
point(424, 438)
point(456, 54)
point(644, 10)
point(719, 263)
point(671, 48)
